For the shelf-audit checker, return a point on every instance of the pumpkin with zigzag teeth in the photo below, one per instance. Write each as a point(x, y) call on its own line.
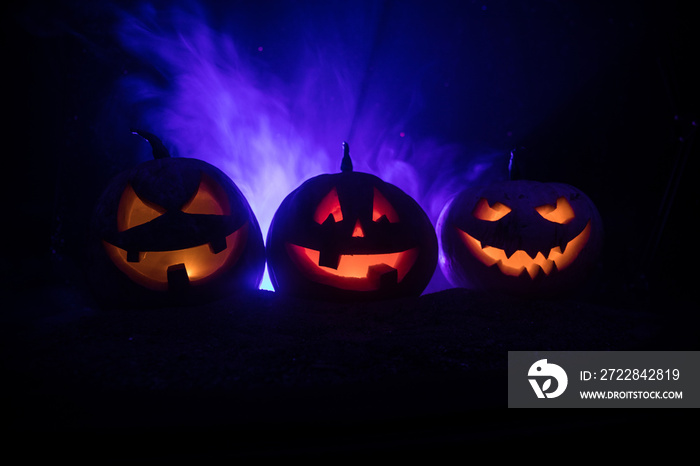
point(519, 236)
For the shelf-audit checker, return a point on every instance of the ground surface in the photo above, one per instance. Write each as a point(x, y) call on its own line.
point(281, 375)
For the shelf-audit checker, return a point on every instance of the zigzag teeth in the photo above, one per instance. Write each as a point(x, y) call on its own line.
point(524, 273)
point(562, 246)
point(533, 271)
point(509, 251)
point(533, 253)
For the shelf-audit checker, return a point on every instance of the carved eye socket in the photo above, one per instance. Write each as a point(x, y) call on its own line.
point(490, 213)
point(329, 207)
point(134, 211)
point(561, 213)
point(210, 199)
point(383, 208)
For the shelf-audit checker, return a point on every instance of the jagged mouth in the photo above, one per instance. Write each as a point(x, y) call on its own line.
point(164, 270)
point(358, 272)
point(520, 261)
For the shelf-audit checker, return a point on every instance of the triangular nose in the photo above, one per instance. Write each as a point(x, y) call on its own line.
point(358, 232)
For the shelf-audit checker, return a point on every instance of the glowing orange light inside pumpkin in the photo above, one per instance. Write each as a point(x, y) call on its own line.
point(209, 199)
point(151, 269)
point(200, 262)
point(133, 211)
point(561, 213)
point(360, 272)
point(381, 207)
point(329, 205)
point(520, 260)
point(491, 213)
point(358, 232)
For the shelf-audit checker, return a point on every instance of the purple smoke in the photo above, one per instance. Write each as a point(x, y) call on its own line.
point(272, 114)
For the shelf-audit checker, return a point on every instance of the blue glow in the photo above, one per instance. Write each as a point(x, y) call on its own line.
point(273, 119)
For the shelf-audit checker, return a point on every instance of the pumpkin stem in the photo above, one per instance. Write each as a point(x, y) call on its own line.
point(513, 169)
point(159, 150)
point(346, 163)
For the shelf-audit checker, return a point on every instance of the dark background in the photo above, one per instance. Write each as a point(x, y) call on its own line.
point(602, 95)
point(612, 85)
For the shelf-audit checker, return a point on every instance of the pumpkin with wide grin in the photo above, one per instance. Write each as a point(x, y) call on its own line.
point(350, 236)
point(519, 236)
point(519, 262)
point(173, 230)
point(142, 248)
point(351, 269)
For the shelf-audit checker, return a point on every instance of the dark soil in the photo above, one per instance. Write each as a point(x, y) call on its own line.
point(278, 376)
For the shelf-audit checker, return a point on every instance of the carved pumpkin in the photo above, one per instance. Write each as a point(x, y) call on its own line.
point(173, 231)
point(519, 236)
point(350, 236)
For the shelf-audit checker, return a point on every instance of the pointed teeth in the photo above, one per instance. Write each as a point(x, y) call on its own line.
point(562, 245)
point(524, 274)
point(535, 271)
point(510, 250)
point(533, 253)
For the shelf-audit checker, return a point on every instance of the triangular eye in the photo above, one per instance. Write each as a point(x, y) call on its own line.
point(210, 199)
point(562, 213)
point(490, 213)
point(383, 208)
point(329, 206)
point(134, 211)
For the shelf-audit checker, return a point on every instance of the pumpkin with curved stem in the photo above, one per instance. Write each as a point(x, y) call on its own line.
point(173, 231)
point(350, 236)
point(519, 236)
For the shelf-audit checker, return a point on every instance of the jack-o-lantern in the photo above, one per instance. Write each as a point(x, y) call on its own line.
point(350, 236)
point(519, 236)
point(173, 230)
